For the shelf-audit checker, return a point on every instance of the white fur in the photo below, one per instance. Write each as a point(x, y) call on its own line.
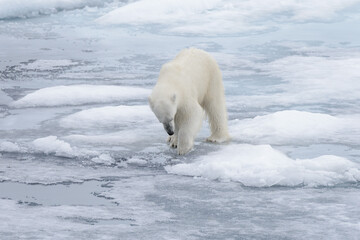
point(188, 85)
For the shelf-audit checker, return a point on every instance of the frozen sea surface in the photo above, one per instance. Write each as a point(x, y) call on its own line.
point(83, 157)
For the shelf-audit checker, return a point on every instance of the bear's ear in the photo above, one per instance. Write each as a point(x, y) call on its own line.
point(173, 98)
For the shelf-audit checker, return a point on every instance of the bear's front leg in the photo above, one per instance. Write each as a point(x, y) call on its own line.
point(172, 140)
point(189, 123)
point(185, 142)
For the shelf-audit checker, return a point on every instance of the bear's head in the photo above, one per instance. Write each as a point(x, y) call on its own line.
point(164, 109)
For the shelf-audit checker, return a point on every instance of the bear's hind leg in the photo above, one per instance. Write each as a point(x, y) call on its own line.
point(217, 115)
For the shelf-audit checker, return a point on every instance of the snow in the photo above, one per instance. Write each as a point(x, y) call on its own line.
point(111, 116)
point(32, 8)
point(264, 166)
point(297, 126)
point(79, 95)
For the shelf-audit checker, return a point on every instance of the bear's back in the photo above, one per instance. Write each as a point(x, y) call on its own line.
point(193, 70)
point(193, 53)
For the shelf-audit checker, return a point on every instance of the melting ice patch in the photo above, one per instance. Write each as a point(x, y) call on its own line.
point(80, 94)
point(298, 127)
point(126, 205)
point(37, 170)
point(33, 8)
point(111, 116)
point(49, 64)
point(222, 16)
point(263, 166)
point(135, 190)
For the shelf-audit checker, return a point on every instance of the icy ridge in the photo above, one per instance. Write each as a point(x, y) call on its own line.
point(33, 8)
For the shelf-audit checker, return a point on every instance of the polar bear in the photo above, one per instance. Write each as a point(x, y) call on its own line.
point(188, 86)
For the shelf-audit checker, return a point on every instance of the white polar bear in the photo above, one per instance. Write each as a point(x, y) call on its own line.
point(188, 85)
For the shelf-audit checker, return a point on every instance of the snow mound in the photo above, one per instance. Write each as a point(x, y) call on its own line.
point(80, 94)
point(263, 166)
point(7, 146)
point(33, 8)
point(137, 161)
point(221, 17)
point(296, 126)
point(111, 116)
point(51, 145)
point(104, 159)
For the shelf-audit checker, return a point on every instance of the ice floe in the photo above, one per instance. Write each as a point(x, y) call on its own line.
point(110, 116)
point(221, 17)
point(305, 80)
point(264, 166)
point(152, 133)
point(80, 94)
point(297, 127)
point(324, 78)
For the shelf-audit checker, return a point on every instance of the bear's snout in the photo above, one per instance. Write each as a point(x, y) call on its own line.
point(169, 129)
